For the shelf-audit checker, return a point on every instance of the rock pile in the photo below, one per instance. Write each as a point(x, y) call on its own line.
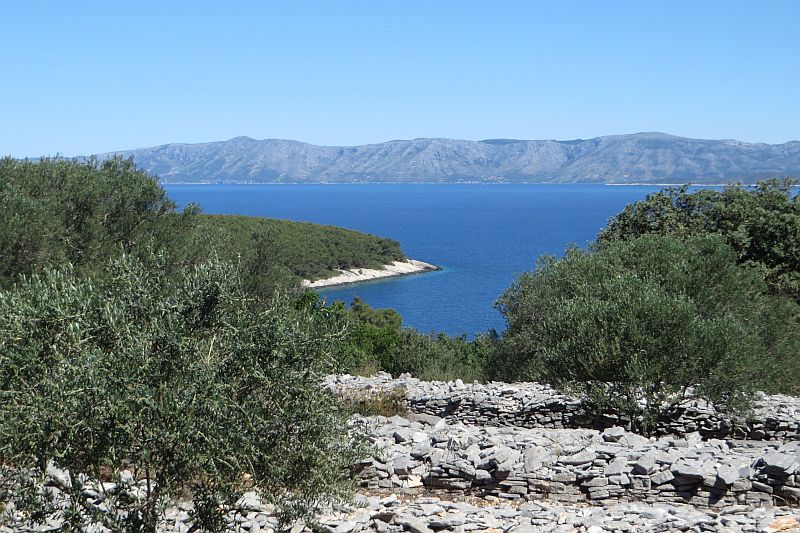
point(578, 465)
point(389, 513)
point(429, 515)
point(520, 458)
point(535, 405)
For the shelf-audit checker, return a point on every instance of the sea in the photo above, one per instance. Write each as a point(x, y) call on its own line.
point(482, 236)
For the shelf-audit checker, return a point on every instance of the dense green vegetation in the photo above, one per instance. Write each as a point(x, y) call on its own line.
point(187, 382)
point(761, 223)
point(376, 340)
point(638, 326)
point(59, 211)
point(281, 253)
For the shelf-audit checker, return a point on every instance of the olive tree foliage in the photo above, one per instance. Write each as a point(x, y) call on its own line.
point(640, 326)
point(761, 223)
point(54, 211)
point(183, 382)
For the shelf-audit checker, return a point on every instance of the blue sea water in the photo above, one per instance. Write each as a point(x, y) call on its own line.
point(481, 235)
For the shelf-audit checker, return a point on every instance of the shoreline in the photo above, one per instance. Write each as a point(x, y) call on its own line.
point(357, 275)
point(252, 183)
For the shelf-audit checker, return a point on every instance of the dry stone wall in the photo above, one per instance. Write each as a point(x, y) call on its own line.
point(535, 405)
point(578, 465)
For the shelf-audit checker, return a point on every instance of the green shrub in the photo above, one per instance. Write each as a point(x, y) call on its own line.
point(56, 211)
point(187, 382)
point(371, 333)
point(761, 223)
point(438, 357)
point(639, 325)
point(376, 340)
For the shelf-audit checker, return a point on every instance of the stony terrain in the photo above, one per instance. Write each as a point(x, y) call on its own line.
point(536, 405)
point(506, 458)
point(578, 465)
point(384, 511)
point(433, 514)
point(641, 157)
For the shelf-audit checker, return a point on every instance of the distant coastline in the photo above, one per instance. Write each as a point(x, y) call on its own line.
point(676, 184)
point(647, 157)
point(356, 275)
point(632, 184)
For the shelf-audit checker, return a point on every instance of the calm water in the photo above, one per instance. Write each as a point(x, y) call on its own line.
point(482, 235)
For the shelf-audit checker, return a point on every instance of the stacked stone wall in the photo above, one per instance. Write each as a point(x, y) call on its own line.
point(578, 465)
point(535, 405)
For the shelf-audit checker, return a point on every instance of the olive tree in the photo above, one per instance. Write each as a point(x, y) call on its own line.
point(54, 211)
point(639, 326)
point(181, 384)
point(761, 223)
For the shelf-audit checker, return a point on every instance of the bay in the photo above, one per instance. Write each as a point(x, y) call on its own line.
point(481, 235)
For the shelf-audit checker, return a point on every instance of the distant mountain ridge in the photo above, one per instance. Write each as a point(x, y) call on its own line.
point(634, 158)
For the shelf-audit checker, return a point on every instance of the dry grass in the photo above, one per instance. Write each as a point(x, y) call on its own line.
point(382, 402)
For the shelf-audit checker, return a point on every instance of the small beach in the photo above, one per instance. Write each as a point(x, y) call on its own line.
point(355, 275)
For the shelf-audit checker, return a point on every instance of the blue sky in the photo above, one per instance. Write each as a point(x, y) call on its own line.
point(85, 77)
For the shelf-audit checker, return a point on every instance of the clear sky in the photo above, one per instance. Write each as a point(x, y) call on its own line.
point(81, 77)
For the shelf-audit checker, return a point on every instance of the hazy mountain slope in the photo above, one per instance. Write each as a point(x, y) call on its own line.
point(641, 157)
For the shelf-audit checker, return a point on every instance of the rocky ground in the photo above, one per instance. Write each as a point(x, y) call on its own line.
point(429, 514)
point(511, 457)
point(536, 405)
point(449, 466)
point(390, 511)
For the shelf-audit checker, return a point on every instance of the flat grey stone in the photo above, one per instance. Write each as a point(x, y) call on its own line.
point(579, 458)
point(780, 463)
point(428, 420)
point(613, 434)
point(659, 478)
point(618, 466)
point(646, 464)
point(688, 470)
point(345, 527)
point(727, 474)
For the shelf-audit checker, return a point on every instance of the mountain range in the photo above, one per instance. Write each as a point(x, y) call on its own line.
point(634, 158)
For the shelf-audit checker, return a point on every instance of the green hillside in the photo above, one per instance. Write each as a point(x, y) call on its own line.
point(58, 211)
point(296, 249)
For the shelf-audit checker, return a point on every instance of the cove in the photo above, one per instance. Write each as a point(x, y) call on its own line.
point(481, 235)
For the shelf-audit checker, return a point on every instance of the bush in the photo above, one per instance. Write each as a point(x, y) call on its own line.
point(371, 333)
point(56, 211)
point(761, 223)
point(376, 340)
point(438, 357)
point(187, 383)
point(638, 326)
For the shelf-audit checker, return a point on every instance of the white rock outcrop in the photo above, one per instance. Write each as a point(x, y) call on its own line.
point(396, 268)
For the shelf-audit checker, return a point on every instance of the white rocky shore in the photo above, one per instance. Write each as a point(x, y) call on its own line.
point(395, 268)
